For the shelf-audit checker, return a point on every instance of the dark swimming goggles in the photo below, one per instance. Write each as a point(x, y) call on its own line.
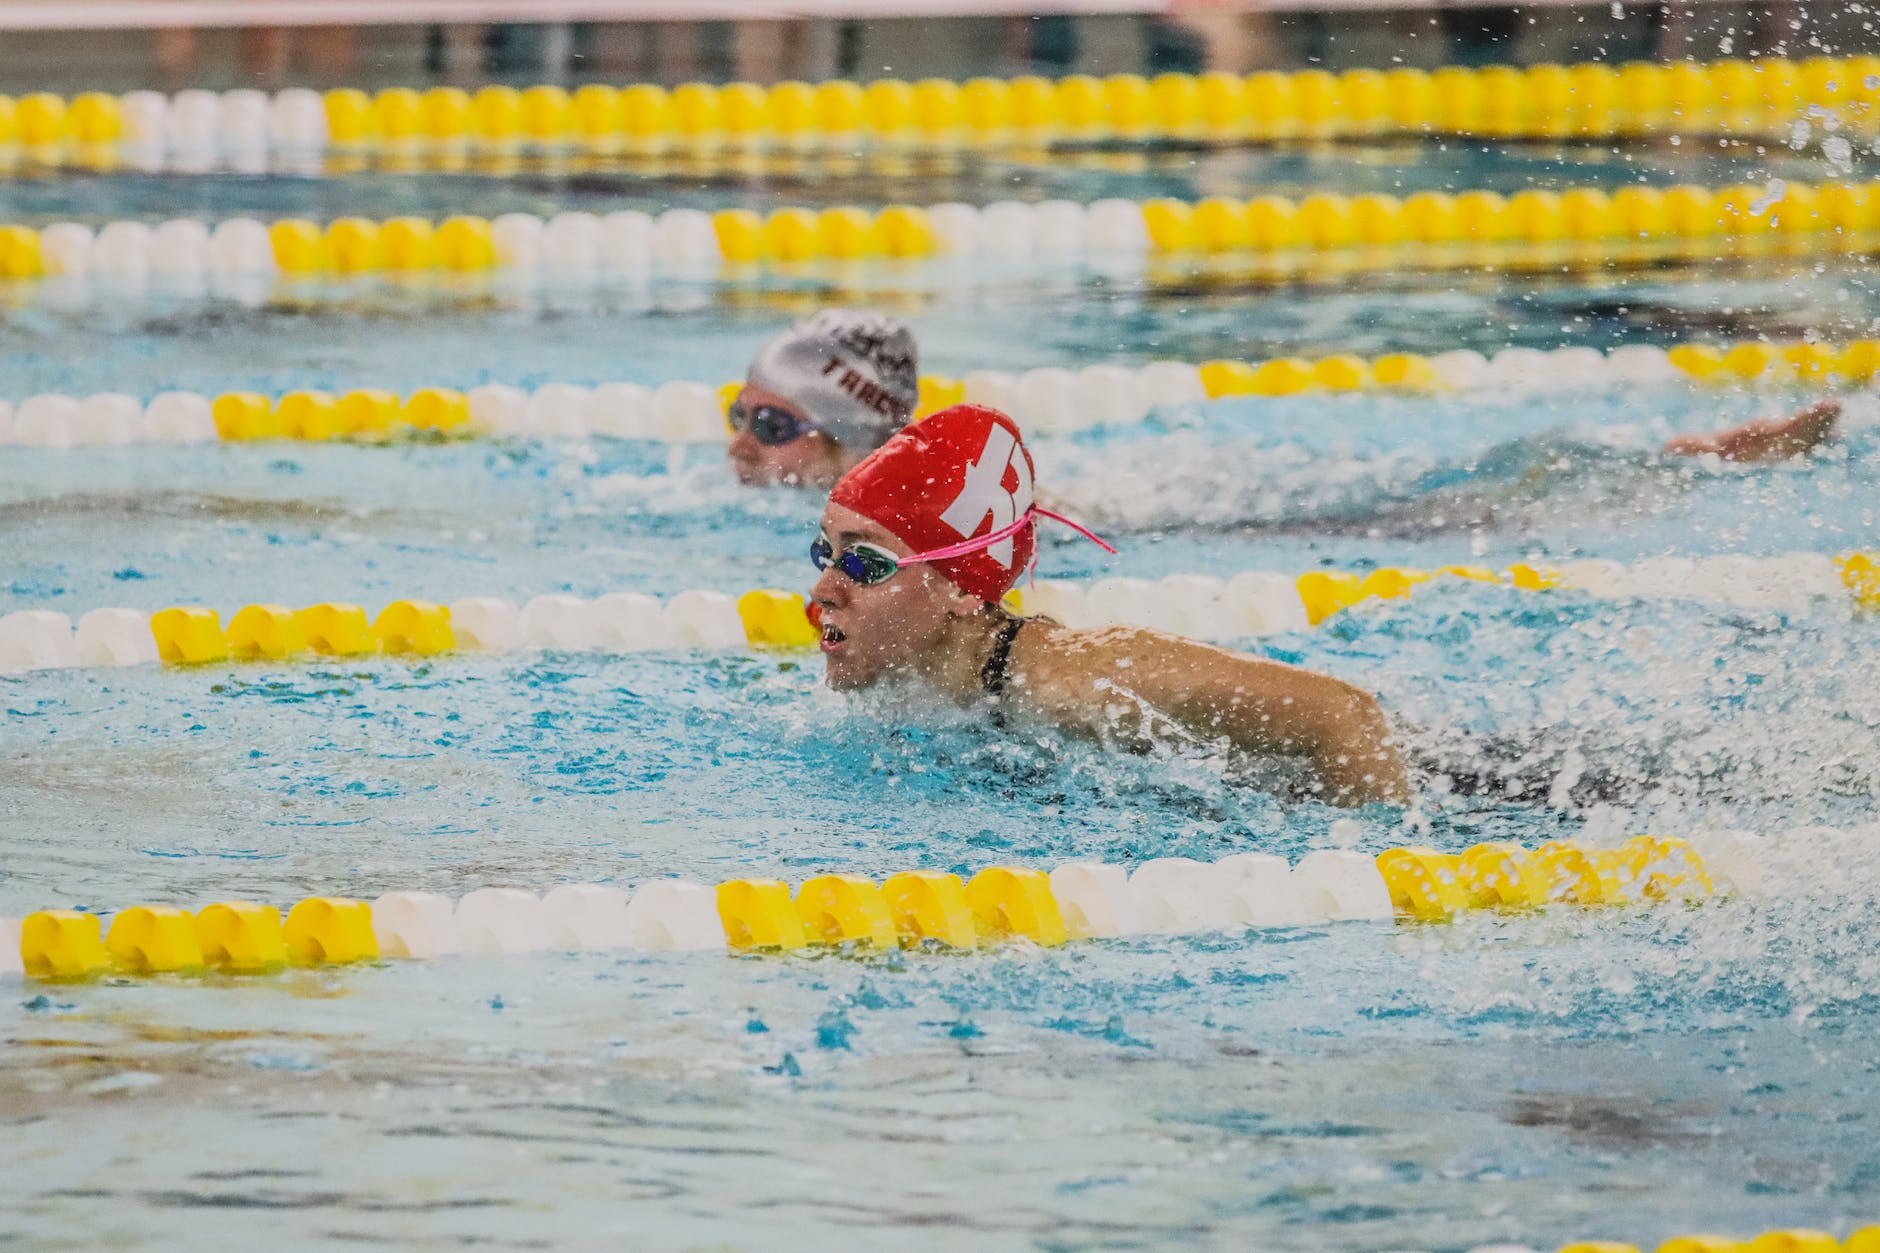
point(861, 563)
point(869, 564)
point(771, 426)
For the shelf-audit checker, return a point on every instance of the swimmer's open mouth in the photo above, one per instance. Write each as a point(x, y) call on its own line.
point(832, 636)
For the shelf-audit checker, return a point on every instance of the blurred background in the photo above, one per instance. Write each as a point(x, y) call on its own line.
point(124, 44)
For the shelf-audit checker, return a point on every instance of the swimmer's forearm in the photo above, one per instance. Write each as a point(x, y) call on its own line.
point(1343, 730)
point(1764, 441)
point(1362, 763)
point(1260, 706)
point(1340, 727)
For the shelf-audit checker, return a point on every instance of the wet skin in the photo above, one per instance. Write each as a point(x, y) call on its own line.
point(1768, 440)
point(1119, 685)
point(811, 460)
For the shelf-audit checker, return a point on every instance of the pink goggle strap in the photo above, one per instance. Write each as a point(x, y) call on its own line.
point(1078, 527)
point(982, 542)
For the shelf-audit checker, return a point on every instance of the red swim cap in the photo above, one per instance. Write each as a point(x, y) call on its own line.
point(961, 474)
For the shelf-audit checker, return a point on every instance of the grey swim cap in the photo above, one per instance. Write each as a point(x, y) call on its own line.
point(854, 373)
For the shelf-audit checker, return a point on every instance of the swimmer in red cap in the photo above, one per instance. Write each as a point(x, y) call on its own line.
point(921, 540)
point(821, 396)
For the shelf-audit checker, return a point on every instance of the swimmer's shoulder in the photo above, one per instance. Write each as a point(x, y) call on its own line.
point(1061, 665)
point(1064, 676)
point(1055, 667)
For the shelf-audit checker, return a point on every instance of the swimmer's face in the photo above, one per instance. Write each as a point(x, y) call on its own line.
point(812, 459)
point(892, 627)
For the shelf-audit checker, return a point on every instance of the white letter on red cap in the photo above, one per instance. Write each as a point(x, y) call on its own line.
point(984, 492)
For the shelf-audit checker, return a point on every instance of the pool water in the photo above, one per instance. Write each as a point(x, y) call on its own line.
point(1623, 1074)
point(334, 187)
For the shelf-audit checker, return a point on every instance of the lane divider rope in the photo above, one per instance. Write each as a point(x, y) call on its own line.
point(1587, 100)
point(1789, 1240)
point(1535, 229)
point(1048, 400)
point(914, 909)
point(1250, 604)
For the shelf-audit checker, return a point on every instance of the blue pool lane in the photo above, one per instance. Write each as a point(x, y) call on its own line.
point(1625, 1074)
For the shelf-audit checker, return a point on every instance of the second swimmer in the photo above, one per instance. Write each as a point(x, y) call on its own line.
point(821, 396)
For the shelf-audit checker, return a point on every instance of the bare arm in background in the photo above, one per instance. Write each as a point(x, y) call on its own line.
point(1766, 440)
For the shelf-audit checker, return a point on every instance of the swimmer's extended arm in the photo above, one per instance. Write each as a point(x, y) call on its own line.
point(1116, 680)
point(1766, 440)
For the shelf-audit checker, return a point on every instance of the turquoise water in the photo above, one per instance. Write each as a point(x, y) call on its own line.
point(971, 317)
point(342, 187)
point(1230, 485)
point(1620, 1074)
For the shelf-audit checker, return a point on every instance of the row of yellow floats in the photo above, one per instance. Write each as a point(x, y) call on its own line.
point(910, 909)
point(1589, 224)
point(370, 413)
point(460, 244)
point(318, 415)
point(1328, 592)
point(1787, 1240)
point(1429, 885)
point(1539, 101)
point(1857, 361)
point(1751, 361)
point(240, 937)
point(1632, 213)
point(194, 634)
point(1547, 100)
point(237, 937)
point(771, 618)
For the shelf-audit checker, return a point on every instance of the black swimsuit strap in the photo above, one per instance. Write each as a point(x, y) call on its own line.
point(992, 675)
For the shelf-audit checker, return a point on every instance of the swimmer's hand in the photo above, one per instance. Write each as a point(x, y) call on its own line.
point(1764, 441)
point(1119, 679)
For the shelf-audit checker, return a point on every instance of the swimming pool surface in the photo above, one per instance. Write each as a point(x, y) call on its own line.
point(549, 184)
point(1575, 1074)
